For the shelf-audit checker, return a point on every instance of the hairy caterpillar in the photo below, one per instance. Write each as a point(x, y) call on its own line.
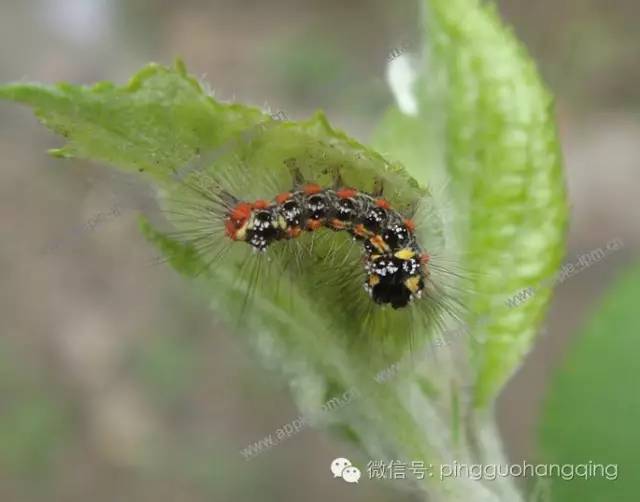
point(355, 247)
point(395, 265)
point(302, 217)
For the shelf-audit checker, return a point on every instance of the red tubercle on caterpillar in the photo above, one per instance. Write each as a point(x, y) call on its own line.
point(312, 188)
point(378, 242)
point(361, 231)
point(283, 197)
point(424, 264)
point(237, 218)
point(261, 204)
point(293, 232)
point(410, 224)
point(313, 225)
point(230, 229)
point(383, 203)
point(346, 193)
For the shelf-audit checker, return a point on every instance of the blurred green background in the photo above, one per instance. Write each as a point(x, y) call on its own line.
point(116, 381)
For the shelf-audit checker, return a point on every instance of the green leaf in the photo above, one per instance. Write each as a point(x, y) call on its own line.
point(155, 123)
point(485, 133)
point(164, 126)
point(592, 411)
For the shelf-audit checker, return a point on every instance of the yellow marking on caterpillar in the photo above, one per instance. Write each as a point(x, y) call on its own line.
point(241, 233)
point(405, 254)
point(413, 284)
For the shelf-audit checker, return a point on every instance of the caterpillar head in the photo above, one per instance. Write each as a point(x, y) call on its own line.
point(395, 279)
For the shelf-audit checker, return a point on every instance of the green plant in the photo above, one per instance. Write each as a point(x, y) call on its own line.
point(484, 125)
point(591, 413)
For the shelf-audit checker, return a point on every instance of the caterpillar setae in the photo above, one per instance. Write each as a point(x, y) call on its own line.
point(395, 265)
point(330, 221)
